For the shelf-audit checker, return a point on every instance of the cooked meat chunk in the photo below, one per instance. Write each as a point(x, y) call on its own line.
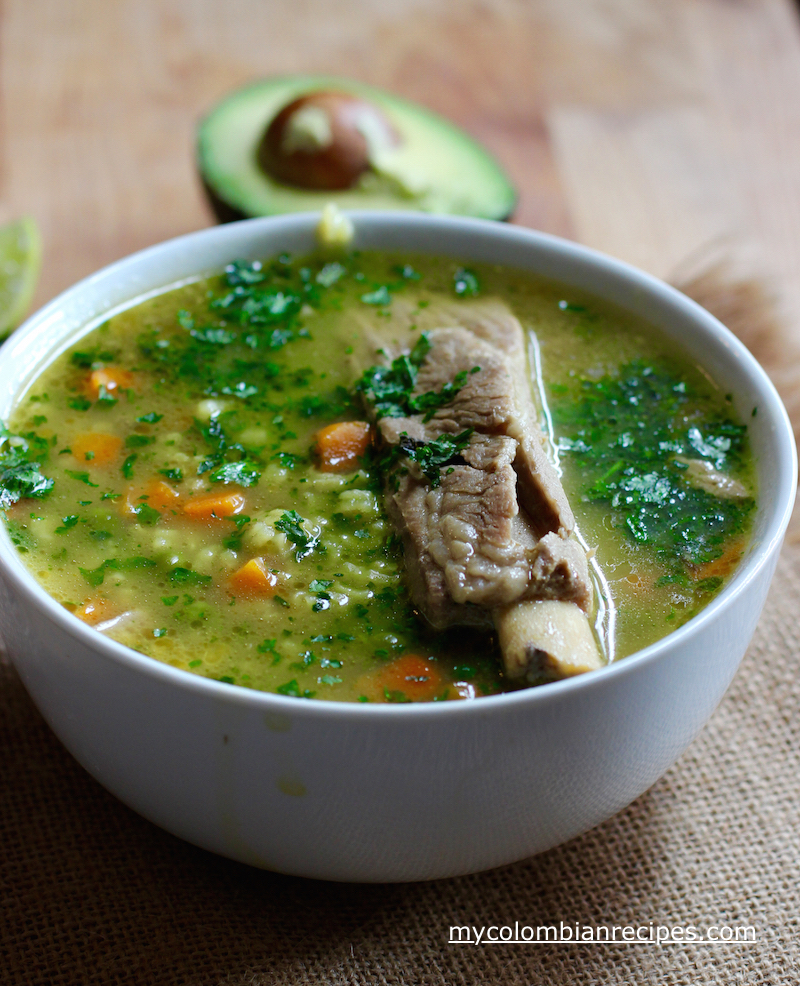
point(540, 490)
point(466, 548)
point(491, 529)
point(559, 570)
point(702, 474)
point(469, 545)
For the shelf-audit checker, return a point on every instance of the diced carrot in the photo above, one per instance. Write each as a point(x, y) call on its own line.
point(111, 377)
point(408, 677)
point(95, 448)
point(341, 445)
point(722, 566)
point(161, 496)
point(94, 611)
point(157, 494)
point(214, 505)
point(254, 579)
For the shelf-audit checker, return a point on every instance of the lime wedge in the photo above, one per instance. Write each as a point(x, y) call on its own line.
point(20, 258)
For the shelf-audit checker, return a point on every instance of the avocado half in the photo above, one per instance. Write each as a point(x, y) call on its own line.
point(436, 167)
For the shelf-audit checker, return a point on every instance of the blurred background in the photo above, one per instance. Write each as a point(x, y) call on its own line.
point(658, 130)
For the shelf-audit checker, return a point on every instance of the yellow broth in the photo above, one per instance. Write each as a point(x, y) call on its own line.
point(199, 395)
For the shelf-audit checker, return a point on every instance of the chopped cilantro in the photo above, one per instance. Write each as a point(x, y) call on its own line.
point(20, 467)
point(139, 441)
point(95, 576)
point(146, 514)
point(127, 466)
point(288, 459)
point(395, 695)
point(176, 475)
point(267, 647)
point(105, 399)
point(389, 388)
point(290, 525)
point(243, 473)
point(91, 359)
point(185, 576)
point(330, 274)
point(629, 435)
point(67, 522)
point(81, 477)
point(213, 336)
point(151, 418)
point(21, 537)
point(433, 456)
point(22, 479)
point(465, 283)
point(320, 585)
point(330, 662)
point(380, 296)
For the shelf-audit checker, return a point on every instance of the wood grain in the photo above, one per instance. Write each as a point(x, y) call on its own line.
point(653, 129)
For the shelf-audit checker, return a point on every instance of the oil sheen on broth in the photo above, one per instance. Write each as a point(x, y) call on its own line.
point(190, 517)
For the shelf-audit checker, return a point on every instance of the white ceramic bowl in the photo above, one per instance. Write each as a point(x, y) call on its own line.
point(399, 792)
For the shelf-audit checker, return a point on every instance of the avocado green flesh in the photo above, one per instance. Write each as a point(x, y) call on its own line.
point(437, 168)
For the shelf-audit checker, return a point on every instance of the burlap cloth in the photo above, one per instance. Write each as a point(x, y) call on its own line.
point(91, 893)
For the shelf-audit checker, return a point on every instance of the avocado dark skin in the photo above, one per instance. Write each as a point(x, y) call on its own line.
point(223, 211)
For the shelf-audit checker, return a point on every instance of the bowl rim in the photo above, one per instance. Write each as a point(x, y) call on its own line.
point(17, 573)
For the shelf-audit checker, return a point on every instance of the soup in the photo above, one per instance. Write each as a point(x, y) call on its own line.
point(204, 476)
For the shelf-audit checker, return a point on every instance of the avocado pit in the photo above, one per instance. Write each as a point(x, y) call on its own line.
point(324, 141)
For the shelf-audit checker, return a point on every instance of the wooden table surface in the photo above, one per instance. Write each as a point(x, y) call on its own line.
point(657, 130)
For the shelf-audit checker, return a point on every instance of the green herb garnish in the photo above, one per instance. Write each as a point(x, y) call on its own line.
point(146, 514)
point(139, 441)
point(465, 283)
point(389, 388)
point(81, 477)
point(631, 436)
point(290, 525)
point(433, 456)
point(176, 475)
point(243, 473)
point(95, 576)
point(185, 576)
